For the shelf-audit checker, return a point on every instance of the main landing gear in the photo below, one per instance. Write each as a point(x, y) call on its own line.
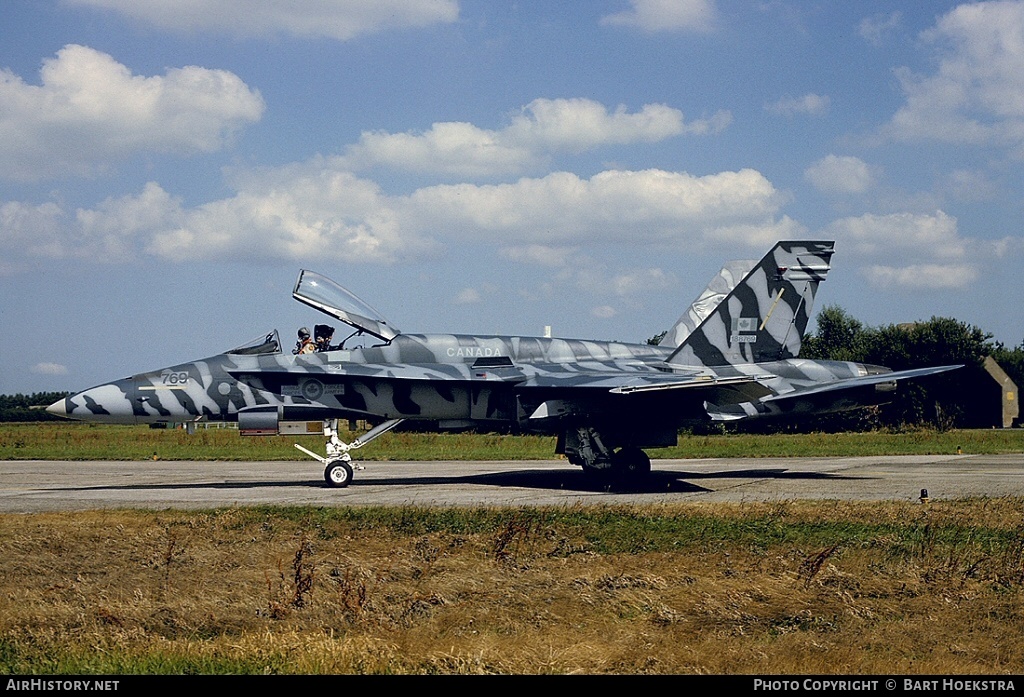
point(338, 468)
point(584, 447)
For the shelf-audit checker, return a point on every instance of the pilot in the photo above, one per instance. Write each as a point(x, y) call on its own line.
point(323, 333)
point(304, 344)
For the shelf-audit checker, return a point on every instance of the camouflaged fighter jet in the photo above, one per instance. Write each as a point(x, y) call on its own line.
point(732, 355)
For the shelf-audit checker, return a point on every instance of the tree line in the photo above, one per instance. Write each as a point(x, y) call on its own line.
point(29, 407)
point(966, 398)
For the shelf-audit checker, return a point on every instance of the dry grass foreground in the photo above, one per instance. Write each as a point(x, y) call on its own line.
point(766, 589)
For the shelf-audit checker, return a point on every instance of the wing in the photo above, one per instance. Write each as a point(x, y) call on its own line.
point(626, 383)
point(563, 390)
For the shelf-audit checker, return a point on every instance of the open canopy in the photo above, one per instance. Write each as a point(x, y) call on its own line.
point(325, 295)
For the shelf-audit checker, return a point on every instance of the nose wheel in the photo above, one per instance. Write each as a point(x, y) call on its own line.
point(338, 474)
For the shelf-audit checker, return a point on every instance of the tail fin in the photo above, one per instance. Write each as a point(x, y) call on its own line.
point(764, 316)
point(720, 286)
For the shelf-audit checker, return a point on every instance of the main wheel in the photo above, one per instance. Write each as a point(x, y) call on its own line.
point(632, 463)
point(338, 474)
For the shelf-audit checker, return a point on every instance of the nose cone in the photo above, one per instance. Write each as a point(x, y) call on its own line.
point(109, 404)
point(58, 408)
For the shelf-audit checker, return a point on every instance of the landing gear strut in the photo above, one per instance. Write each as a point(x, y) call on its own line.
point(338, 471)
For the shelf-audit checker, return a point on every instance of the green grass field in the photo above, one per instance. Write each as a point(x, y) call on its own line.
point(76, 441)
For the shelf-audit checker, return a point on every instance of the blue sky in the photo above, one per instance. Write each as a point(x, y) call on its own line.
point(168, 167)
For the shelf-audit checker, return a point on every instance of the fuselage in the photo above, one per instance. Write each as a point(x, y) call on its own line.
point(456, 380)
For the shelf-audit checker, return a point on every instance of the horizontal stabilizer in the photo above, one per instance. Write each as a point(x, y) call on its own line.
point(853, 383)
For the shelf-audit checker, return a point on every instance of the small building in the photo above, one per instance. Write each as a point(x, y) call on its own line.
point(1010, 401)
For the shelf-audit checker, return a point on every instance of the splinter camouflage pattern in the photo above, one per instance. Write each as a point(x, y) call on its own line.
point(721, 285)
point(732, 355)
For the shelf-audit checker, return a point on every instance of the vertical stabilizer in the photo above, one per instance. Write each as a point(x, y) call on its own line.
point(720, 286)
point(763, 317)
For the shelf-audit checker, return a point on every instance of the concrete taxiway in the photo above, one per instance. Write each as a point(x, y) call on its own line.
point(37, 485)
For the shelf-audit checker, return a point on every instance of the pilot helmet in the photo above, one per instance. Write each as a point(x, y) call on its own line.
point(303, 332)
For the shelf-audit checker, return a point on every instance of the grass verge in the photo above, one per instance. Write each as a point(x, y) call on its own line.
point(769, 589)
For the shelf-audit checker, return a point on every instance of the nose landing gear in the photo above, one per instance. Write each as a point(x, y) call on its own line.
point(338, 470)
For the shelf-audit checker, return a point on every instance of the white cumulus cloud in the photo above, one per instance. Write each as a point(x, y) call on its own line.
point(666, 15)
point(932, 241)
point(976, 96)
point(922, 276)
point(810, 104)
point(636, 282)
point(846, 174)
point(612, 206)
point(323, 209)
point(314, 210)
point(542, 127)
point(296, 213)
point(97, 113)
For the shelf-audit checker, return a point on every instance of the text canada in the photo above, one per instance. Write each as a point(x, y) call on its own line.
point(473, 352)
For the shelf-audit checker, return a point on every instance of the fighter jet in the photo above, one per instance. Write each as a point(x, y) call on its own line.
point(732, 355)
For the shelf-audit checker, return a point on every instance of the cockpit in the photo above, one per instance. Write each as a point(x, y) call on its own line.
point(323, 294)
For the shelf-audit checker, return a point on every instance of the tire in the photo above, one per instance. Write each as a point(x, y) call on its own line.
point(338, 474)
point(632, 463)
